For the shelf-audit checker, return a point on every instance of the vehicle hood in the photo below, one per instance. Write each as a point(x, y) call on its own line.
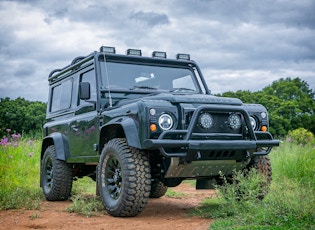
point(185, 98)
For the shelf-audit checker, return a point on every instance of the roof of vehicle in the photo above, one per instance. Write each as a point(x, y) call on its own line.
point(83, 61)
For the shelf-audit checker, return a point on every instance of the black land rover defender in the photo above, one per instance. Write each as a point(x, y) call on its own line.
point(137, 125)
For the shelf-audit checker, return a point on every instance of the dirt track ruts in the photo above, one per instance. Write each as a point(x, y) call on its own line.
point(162, 213)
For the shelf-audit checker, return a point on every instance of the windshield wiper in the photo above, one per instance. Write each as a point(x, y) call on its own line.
point(143, 87)
point(182, 90)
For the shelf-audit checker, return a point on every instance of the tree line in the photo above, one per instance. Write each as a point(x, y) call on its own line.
point(21, 116)
point(290, 104)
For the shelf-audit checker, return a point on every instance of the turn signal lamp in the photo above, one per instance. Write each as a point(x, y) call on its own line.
point(107, 49)
point(264, 128)
point(134, 52)
point(153, 127)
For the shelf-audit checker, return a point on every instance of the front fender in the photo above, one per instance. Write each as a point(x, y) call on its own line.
point(128, 127)
point(61, 144)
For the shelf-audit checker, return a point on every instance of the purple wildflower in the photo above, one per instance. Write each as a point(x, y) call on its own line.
point(30, 142)
point(10, 157)
point(16, 137)
point(31, 154)
point(4, 141)
point(8, 130)
point(289, 139)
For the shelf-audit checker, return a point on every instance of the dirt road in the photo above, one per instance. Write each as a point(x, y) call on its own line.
point(162, 213)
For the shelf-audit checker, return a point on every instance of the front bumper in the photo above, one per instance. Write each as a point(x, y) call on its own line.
point(186, 142)
point(247, 145)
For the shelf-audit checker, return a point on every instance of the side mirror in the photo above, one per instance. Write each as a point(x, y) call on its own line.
point(84, 91)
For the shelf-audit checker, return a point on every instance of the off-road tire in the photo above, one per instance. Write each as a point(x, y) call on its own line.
point(263, 166)
point(56, 176)
point(158, 189)
point(124, 179)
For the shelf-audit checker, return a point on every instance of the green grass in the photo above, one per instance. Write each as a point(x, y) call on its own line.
point(19, 174)
point(84, 200)
point(83, 186)
point(86, 205)
point(173, 194)
point(294, 162)
point(290, 203)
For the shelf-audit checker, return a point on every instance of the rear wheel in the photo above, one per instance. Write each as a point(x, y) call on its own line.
point(56, 176)
point(158, 189)
point(124, 179)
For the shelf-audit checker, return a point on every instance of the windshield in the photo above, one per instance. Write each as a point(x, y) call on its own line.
point(123, 76)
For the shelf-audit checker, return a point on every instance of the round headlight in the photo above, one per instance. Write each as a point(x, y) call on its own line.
point(234, 121)
point(206, 120)
point(253, 122)
point(165, 121)
point(263, 115)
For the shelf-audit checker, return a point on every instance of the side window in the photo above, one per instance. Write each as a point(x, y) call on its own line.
point(61, 96)
point(89, 77)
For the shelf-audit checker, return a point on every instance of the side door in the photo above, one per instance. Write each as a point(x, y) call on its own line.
point(84, 127)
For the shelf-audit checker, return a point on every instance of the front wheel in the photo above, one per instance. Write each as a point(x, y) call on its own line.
point(263, 166)
point(56, 176)
point(124, 179)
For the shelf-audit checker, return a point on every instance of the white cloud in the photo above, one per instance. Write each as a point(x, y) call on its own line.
point(239, 45)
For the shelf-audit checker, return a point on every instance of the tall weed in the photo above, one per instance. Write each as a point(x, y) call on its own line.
point(19, 173)
point(288, 205)
point(86, 205)
point(294, 162)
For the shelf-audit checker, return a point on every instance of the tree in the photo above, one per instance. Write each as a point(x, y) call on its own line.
point(290, 104)
point(21, 116)
point(245, 96)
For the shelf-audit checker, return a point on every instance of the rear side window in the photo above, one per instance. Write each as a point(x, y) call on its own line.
point(61, 96)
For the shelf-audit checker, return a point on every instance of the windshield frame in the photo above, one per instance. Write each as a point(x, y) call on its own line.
point(184, 65)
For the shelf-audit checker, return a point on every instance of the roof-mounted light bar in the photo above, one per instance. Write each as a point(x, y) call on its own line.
point(159, 54)
point(183, 56)
point(133, 52)
point(107, 49)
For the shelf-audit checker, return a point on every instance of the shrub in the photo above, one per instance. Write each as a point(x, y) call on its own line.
point(86, 205)
point(301, 136)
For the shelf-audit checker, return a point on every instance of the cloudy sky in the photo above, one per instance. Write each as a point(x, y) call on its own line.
point(239, 45)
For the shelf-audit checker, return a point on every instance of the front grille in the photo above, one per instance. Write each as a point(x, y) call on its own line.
point(220, 124)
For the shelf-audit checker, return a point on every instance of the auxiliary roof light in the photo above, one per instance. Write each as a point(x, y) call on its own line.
point(107, 49)
point(183, 56)
point(133, 52)
point(159, 54)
